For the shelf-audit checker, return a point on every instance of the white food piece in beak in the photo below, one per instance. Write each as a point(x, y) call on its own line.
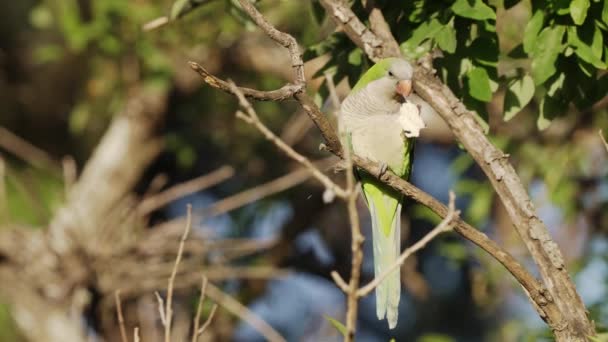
point(410, 120)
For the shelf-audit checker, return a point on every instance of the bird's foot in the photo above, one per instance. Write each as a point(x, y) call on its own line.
point(383, 169)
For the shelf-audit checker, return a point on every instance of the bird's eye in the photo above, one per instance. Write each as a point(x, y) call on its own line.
point(390, 74)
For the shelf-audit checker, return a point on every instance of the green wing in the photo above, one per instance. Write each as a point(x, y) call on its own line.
point(386, 199)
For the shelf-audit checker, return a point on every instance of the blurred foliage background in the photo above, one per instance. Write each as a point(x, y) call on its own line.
point(534, 71)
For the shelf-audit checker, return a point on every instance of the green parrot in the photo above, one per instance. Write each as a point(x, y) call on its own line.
point(379, 120)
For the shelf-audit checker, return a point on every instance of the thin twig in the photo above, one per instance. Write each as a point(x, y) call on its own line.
point(4, 213)
point(23, 149)
point(356, 248)
point(121, 319)
point(68, 166)
point(196, 331)
point(339, 281)
point(180, 251)
point(210, 179)
point(445, 225)
point(199, 308)
point(252, 118)
point(281, 94)
point(603, 139)
point(208, 321)
point(161, 308)
point(333, 94)
point(136, 334)
point(155, 23)
point(242, 312)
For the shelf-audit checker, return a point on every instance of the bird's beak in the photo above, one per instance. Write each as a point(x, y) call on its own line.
point(404, 88)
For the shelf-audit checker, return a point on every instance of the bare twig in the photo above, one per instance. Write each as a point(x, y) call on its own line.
point(208, 321)
point(252, 118)
point(284, 93)
point(136, 334)
point(121, 319)
point(339, 281)
point(333, 94)
point(68, 165)
point(603, 139)
point(196, 331)
point(4, 213)
point(180, 251)
point(356, 244)
point(26, 151)
point(155, 23)
point(445, 225)
point(200, 183)
point(199, 309)
point(161, 308)
point(243, 313)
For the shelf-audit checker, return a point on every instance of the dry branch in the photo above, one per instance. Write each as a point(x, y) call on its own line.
point(203, 182)
point(121, 319)
point(180, 251)
point(356, 249)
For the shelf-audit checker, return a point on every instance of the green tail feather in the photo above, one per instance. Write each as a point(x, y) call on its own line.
point(385, 210)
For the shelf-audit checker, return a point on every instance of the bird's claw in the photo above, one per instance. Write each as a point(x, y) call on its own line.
point(383, 169)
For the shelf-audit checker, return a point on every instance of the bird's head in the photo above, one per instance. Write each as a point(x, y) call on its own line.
point(390, 76)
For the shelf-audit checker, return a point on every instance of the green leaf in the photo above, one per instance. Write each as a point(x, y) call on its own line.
point(337, 324)
point(354, 57)
point(578, 10)
point(446, 39)
point(597, 44)
point(583, 50)
point(532, 30)
point(545, 52)
point(605, 13)
point(518, 95)
point(414, 47)
point(479, 84)
point(474, 9)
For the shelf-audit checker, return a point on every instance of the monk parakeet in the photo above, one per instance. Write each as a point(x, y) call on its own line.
point(379, 120)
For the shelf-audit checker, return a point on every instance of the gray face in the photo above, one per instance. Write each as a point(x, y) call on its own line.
point(401, 70)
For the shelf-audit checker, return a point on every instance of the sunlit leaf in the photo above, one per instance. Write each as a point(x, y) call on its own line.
point(479, 84)
point(474, 9)
point(517, 96)
point(532, 30)
point(545, 52)
point(336, 324)
point(578, 10)
point(446, 39)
